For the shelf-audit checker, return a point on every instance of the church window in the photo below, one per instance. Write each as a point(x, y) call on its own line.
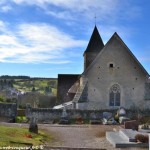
point(111, 65)
point(114, 95)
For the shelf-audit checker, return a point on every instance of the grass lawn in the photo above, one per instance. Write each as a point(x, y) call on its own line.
point(14, 136)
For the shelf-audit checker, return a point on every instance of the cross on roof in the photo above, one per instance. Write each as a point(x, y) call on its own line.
point(95, 19)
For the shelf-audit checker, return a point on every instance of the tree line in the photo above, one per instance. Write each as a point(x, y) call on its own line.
point(23, 77)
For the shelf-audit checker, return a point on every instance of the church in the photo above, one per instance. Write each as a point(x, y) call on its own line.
point(112, 78)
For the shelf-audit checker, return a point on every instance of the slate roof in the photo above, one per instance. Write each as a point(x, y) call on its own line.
point(95, 43)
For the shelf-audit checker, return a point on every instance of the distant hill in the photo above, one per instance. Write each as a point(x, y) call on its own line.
point(41, 85)
point(29, 89)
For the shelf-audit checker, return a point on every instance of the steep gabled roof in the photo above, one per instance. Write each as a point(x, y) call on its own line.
point(116, 37)
point(95, 43)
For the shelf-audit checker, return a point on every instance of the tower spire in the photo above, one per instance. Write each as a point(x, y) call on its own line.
point(94, 46)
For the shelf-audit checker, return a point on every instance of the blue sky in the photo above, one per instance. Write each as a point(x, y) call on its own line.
point(44, 38)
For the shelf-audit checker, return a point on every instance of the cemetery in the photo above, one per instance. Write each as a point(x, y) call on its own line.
point(130, 135)
point(131, 127)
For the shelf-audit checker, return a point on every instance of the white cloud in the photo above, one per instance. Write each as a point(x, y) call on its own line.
point(49, 36)
point(42, 42)
point(66, 15)
point(36, 43)
point(105, 9)
point(5, 8)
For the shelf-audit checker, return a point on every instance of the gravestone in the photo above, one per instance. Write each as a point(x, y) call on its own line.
point(64, 113)
point(133, 124)
point(64, 117)
point(33, 127)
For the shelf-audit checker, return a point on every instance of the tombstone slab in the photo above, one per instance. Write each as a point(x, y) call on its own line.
point(133, 124)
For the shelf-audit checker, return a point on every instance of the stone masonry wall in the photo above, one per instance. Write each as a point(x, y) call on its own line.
point(125, 71)
point(147, 91)
point(8, 110)
point(47, 114)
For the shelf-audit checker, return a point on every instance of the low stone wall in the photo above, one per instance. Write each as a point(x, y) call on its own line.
point(8, 110)
point(47, 114)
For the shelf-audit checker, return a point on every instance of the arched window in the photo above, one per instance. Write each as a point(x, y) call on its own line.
point(114, 95)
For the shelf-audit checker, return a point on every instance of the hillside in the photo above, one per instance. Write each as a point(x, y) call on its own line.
point(28, 90)
point(43, 86)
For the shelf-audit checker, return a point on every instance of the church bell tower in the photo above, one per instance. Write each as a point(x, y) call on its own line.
point(95, 45)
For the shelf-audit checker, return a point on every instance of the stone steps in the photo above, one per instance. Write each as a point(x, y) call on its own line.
point(79, 91)
point(124, 138)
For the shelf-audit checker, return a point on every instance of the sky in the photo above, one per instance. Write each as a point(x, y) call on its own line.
point(44, 38)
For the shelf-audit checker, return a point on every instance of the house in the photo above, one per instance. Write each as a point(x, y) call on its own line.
point(112, 77)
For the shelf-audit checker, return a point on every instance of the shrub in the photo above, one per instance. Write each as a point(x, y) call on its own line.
point(1, 99)
point(21, 119)
point(146, 139)
point(141, 138)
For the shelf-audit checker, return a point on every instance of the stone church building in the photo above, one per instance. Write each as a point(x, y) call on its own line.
point(112, 78)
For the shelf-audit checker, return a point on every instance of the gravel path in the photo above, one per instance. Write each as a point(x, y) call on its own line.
point(83, 137)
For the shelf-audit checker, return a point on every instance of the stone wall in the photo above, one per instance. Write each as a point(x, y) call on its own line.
point(8, 110)
point(147, 91)
point(115, 64)
point(47, 114)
